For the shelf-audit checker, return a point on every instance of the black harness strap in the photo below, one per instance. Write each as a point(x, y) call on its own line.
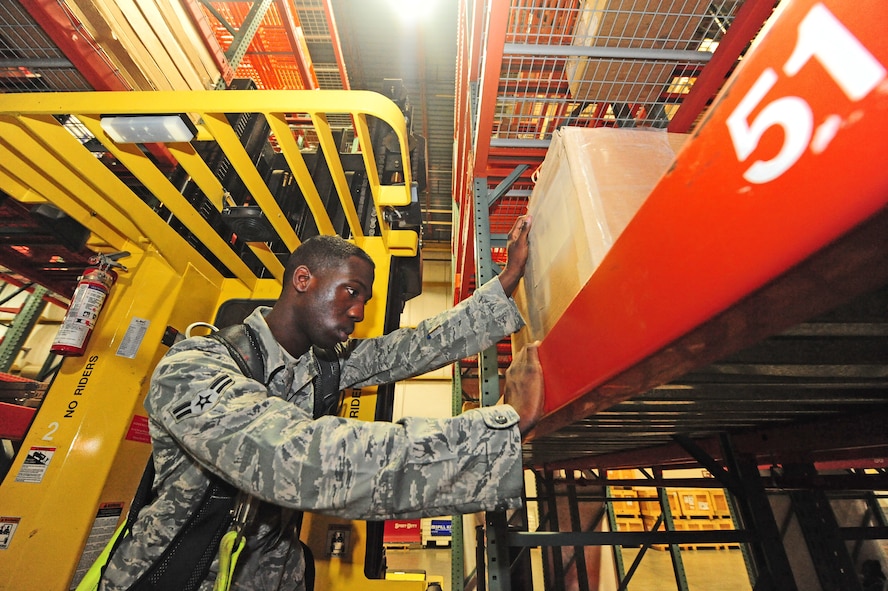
point(241, 342)
point(184, 564)
point(326, 384)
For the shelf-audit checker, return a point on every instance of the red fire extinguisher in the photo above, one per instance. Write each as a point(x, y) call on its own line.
point(92, 289)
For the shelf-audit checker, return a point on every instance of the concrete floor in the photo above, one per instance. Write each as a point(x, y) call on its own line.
point(705, 570)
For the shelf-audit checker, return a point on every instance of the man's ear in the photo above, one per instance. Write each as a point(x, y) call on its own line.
point(301, 278)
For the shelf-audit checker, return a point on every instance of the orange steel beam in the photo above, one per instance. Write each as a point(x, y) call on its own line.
point(464, 281)
point(497, 24)
point(475, 130)
point(775, 210)
point(464, 267)
point(459, 107)
point(337, 46)
point(291, 23)
point(77, 44)
point(15, 420)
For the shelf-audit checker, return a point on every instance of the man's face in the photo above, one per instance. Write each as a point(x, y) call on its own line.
point(338, 296)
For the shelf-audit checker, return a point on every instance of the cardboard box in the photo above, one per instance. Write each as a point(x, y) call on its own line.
point(590, 185)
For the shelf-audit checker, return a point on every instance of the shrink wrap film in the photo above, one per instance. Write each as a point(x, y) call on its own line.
point(590, 185)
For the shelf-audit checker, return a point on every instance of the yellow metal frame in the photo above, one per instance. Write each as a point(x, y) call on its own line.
point(87, 418)
point(34, 142)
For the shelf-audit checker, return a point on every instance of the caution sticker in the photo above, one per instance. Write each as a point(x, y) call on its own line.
point(133, 337)
point(36, 462)
point(7, 530)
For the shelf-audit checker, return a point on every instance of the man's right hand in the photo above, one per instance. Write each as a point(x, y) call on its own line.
point(524, 389)
point(518, 250)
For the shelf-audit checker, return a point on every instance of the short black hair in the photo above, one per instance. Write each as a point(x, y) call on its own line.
point(323, 252)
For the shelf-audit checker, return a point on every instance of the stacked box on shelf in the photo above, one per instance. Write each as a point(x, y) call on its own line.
point(630, 524)
point(650, 521)
point(708, 525)
point(652, 507)
point(589, 188)
point(695, 503)
point(698, 525)
point(725, 524)
point(719, 504)
point(624, 508)
point(687, 525)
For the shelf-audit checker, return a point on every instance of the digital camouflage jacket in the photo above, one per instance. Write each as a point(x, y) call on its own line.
point(206, 416)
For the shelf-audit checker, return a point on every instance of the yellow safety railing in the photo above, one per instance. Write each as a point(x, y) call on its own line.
point(41, 160)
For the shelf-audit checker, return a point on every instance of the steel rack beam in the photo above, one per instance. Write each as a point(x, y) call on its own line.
point(457, 532)
point(498, 576)
point(21, 327)
point(836, 439)
point(605, 538)
point(829, 553)
point(767, 561)
point(792, 131)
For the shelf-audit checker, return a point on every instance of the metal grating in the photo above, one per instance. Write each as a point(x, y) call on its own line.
point(328, 76)
point(269, 61)
point(29, 60)
point(618, 63)
point(313, 19)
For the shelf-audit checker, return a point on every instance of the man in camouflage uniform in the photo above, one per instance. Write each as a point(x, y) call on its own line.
point(206, 416)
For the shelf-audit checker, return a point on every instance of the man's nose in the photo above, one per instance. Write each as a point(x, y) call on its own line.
point(356, 312)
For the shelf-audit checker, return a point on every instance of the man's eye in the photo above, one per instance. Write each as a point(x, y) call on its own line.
point(351, 291)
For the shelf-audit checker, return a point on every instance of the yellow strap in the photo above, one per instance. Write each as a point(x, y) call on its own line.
point(90, 581)
point(228, 555)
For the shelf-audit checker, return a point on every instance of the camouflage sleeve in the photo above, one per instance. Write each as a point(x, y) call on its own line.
point(273, 449)
point(417, 467)
point(470, 327)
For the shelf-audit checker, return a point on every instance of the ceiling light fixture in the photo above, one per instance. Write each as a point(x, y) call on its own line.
point(140, 129)
point(412, 12)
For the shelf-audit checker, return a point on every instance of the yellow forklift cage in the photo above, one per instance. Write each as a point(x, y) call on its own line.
point(41, 160)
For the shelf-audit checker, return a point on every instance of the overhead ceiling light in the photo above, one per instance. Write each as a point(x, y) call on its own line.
point(141, 129)
point(413, 12)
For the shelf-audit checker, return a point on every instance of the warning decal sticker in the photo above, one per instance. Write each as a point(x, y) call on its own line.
point(101, 533)
point(34, 467)
point(7, 529)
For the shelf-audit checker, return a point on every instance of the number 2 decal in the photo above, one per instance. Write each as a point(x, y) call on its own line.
point(53, 427)
point(850, 65)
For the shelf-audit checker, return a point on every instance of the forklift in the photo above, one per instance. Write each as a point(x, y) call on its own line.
point(189, 203)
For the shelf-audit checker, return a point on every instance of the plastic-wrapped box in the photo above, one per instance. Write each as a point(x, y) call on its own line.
point(590, 185)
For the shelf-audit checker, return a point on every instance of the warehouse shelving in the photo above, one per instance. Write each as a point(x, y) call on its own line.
point(712, 329)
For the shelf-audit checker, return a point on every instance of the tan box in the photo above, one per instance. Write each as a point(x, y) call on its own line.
point(590, 185)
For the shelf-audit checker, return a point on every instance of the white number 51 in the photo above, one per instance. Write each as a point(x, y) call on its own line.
point(852, 67)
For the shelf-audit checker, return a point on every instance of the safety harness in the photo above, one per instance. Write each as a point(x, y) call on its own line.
point(217, 524)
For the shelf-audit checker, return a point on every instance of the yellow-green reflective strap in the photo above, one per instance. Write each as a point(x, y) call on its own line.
point(228, 555)
point(90, 581)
